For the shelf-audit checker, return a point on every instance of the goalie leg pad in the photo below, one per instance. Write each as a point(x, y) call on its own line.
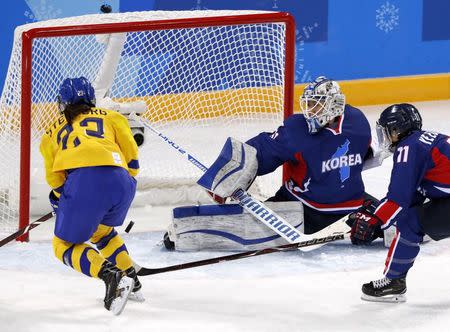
point(234, 169)
point(228, 227)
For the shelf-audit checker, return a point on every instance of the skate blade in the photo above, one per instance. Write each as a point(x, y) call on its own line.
point(125, 286)
point(385, 299)
point(136, 296)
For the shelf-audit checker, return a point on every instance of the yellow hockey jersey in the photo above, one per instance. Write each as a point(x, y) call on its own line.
point(97, 137)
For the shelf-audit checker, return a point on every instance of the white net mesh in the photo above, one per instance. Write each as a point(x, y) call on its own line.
point(200, 85)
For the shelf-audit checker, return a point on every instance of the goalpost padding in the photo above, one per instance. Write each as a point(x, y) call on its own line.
point(204, 76)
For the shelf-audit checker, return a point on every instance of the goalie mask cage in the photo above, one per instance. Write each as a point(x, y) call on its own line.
point(203, 76)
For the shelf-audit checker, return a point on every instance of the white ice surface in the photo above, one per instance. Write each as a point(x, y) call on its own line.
point(292, 291)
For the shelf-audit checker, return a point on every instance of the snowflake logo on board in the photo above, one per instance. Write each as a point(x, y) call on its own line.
point(387, 17)
point(199, 6)
point(30, 16)
point(42, 11)
point(302, 34)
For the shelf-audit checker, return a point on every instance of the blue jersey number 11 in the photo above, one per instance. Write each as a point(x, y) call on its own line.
point(403, 154)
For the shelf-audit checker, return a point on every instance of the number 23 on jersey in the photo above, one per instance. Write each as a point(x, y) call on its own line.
point(96, 130)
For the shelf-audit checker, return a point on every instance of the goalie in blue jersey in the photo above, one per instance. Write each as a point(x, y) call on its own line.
point(91, 159)
point(324, 149)
point(417, 202)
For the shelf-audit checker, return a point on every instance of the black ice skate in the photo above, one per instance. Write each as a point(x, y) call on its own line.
point(136, 294)
point(385, 290)
point(118, 287)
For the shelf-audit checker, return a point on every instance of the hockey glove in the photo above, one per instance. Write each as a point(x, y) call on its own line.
point(54, 201)
point(365, 224)
point(235, 168)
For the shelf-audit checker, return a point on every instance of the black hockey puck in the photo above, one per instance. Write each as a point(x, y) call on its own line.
point(129, 227)
point(105, 8)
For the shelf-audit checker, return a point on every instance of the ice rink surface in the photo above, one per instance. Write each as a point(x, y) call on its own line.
point(291, 291)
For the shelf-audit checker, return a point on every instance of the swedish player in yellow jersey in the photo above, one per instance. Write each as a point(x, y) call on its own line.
point(91, 159)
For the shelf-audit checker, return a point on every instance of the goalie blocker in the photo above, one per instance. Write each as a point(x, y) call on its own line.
point(227, 227)
point(235, 168)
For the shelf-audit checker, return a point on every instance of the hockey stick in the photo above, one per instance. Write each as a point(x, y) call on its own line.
point(338, 227)
point(252, 205)
point(26, 229)
point(143, 271)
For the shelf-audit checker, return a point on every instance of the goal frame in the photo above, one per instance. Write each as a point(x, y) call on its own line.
point(107, 28)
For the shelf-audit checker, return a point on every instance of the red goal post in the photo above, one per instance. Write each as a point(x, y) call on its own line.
point(29, 68)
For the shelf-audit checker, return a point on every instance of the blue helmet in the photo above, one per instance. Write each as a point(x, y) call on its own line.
point(75, 91)
point(397, 120)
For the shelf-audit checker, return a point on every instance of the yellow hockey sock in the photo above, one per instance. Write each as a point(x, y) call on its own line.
point(81, 257)
point(112, 247)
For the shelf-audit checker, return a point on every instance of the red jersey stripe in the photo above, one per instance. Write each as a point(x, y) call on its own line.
point(392, 248)
point(387, 210)
point(338, 129)
point(440, 173)
point(342, 206)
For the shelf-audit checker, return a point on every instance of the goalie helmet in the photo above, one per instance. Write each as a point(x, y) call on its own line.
point(321, 101)
point(396, 122)
point(75, 91)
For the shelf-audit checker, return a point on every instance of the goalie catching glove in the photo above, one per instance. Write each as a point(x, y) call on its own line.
point(234, 169)
point(366, 226)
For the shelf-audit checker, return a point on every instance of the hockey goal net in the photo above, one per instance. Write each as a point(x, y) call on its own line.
point(203, 76)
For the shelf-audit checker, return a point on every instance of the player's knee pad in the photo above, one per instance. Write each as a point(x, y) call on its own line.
point(79, 256)
point(60, 247)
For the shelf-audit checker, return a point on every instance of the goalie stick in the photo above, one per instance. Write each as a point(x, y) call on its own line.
point(143, 271)
point(252, 205)
point(26, 229)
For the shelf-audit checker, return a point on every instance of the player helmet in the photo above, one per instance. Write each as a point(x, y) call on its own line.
point(75, 91)
point(321, 101)
point(396, 122)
